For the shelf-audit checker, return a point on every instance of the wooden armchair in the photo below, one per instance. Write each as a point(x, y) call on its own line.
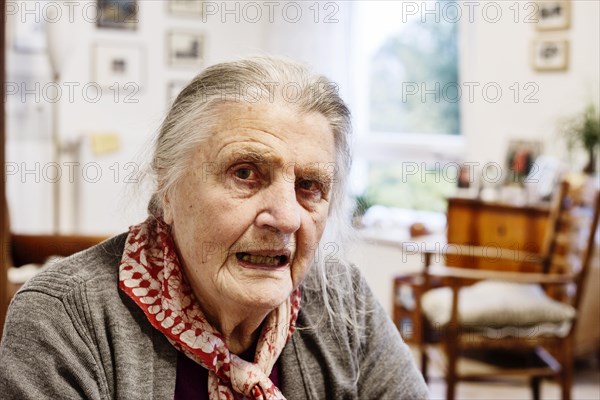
point(528, 313)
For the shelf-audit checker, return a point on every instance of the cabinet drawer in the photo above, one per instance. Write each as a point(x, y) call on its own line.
point(503, 229)
point(495, 226)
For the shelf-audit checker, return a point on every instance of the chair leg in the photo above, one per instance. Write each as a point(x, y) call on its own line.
point(424, 362)
point(396, 314)
point(452, 356)
point(422, 340)
point(451, 377)
point(567, 370)
point(534, 382)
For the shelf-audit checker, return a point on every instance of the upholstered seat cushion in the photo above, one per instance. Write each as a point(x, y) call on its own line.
point(503, 307)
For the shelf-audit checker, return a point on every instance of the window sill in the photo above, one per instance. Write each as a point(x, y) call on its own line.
point(422, 147)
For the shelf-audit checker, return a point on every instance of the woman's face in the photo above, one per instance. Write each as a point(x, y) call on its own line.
point(251, 208)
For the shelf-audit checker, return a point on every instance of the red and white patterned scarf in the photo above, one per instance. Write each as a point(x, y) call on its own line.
point(151, 275)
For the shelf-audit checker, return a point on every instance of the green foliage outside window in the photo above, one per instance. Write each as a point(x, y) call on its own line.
point(421, 56)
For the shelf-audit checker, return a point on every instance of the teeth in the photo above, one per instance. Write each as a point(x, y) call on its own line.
point(265, 260)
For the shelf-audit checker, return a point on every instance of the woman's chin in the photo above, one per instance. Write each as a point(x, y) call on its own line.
point(265, 296)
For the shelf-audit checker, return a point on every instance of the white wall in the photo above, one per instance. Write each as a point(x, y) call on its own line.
point(320, 38)
point(500, 52)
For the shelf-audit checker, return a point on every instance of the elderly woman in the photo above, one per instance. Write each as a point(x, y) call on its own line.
point(229, 289)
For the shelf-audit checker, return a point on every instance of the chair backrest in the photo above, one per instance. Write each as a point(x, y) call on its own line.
point(573, 242)
point(557, 208)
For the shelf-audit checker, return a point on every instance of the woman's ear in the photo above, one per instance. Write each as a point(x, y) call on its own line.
point(167, 208)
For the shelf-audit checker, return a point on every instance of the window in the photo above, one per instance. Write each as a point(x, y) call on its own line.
point(408, 113)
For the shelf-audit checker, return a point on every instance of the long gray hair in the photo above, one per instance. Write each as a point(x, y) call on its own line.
point(262, 79)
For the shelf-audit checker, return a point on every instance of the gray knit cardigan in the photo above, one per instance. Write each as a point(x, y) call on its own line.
point(71, 334)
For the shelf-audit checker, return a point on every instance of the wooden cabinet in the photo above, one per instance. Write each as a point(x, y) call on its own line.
point(495, 226)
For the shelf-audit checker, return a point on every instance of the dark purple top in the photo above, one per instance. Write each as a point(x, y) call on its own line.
point(191, 381)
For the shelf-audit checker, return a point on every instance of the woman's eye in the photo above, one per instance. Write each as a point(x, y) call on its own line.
point(309, 187)
point(244, 173)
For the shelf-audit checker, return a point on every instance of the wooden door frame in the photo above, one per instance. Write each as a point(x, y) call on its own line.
point(3, 208)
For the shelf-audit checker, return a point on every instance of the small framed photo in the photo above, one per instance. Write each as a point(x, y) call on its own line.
point(173, 90)
point(467, 182)
point(118, 65)
point(117, 14)
point(185, 49)
point(465, 177)
point(553, 14)
point(520, 158)
point(550, 55)
point(192, 8)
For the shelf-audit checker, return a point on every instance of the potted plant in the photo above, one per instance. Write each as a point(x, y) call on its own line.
point(361, 204)
point(584, 131)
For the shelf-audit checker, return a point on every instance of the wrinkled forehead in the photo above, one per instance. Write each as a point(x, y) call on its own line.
point(267, 115)
point(267, 133)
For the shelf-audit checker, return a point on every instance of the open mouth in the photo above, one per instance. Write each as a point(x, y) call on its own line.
point(263, 260)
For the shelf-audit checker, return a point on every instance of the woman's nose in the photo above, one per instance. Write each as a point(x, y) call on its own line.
point(280, 209)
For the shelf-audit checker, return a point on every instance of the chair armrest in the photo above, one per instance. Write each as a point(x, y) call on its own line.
point(489, 252)
point(518, 277)
point(36, 249)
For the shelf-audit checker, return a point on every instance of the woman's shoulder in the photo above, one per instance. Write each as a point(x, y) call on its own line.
point(97, 266)
point(339, 286)
point(337, 305)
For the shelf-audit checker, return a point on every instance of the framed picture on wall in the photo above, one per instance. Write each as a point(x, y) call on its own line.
point(185, 49)
point(119, 67)
point(553, 14)
point(550, 55)
point(192, 8)
point(117, 14)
